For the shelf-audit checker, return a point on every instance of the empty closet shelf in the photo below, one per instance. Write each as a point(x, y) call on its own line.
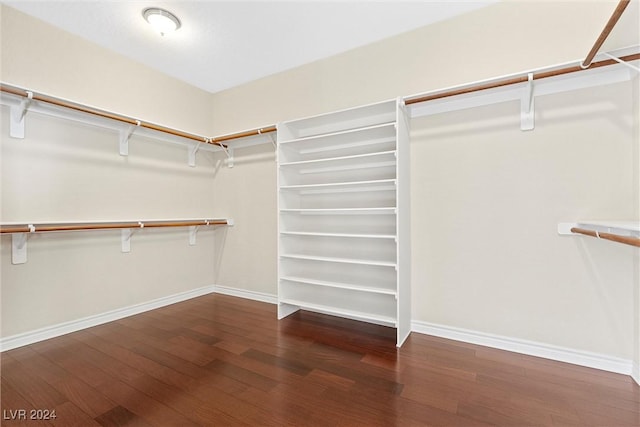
point(343, 187)
point(334, 140)
point(361, 160)
point(344, 211)
point(626, 232)
point(339, 285)
point(339, 235)
point(340, 260)
point(370, 317)
point(10, 228)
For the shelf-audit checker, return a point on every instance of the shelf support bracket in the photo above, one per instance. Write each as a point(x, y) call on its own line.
point(19, 246)
point(272, 138)
point(125, 134)
point(192, 154)
point(527, 106)
point(229, 152)
point(18, 113)
point(193, 232)
point(125, 237)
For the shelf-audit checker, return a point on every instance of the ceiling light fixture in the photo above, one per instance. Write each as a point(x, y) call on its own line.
point(162, 20)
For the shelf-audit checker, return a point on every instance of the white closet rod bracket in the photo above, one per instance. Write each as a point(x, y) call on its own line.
point(19, 246)
point(125, 237)
point(125, 134)
point(229, 152)
point(193, 231)
point(527, 106)
point(271, 137)
point(620, 61)
point(18, 113)
point(193, 151)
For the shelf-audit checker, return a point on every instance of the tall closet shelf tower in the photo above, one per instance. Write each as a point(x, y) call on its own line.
point(343, 204)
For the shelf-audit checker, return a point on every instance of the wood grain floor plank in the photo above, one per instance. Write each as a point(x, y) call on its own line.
point(221, 360)
point(120, 416)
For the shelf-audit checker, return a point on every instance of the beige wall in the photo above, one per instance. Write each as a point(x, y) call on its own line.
point(487, 199)
point(66, 171)
point(476, 178)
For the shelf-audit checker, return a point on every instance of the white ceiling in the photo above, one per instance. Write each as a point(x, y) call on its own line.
point(227, 43)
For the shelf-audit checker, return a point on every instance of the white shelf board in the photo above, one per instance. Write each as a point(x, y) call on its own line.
point(340, 260)
point(624, 228)
point(340, 235)
point(341, 312)
point(356, 117)
point(350, 133)
point(344, 211)
point(339, 285)
point(356, 157)
point(59, 112)
point(339, 187)
point(111, 221)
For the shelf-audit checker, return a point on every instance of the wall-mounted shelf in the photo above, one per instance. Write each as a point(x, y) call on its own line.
point(20, 231)
point(340, 235)
point(341, 260)
point(22, 101)
point(340, 285)
point(626, 232)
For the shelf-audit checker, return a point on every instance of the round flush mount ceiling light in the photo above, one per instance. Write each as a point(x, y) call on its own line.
point(161, 20)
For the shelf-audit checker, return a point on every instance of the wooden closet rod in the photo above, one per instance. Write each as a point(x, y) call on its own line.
point(102, 113)
point(515, 80)
point(617, 13)
point(627, 240)
point(118, 117)
point(254, 132)
point(38, 228)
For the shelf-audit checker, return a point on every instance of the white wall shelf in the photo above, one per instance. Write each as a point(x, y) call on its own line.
point(355, 160)
point(627, 228)
point(124, 128)
point(390, 210)
point(339, 285)
point(331, 309)
point(343, 215)
point(343, 187)
point(341, 260)
point(626, 232)
point(20, 231)
point(341, 235)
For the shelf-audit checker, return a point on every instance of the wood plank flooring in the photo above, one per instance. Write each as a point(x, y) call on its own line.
point(224, 361)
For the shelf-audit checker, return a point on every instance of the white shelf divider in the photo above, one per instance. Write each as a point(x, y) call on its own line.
point(340, 235)
point(340, 260)
point(339, 285)
point(343, 211)
point(351, 314)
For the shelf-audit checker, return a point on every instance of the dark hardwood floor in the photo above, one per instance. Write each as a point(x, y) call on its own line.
point(219, 360)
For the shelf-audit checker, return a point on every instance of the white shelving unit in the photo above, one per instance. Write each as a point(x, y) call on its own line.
point(343, 185)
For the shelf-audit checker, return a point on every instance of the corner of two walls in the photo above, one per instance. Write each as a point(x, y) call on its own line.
point(68, 171)
point(486, 197)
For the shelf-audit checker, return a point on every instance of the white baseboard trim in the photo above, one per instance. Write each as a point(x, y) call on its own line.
point(636, 372)
point(53, 331)
point(243, 293)
point(577, 357)
point(531, 348)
